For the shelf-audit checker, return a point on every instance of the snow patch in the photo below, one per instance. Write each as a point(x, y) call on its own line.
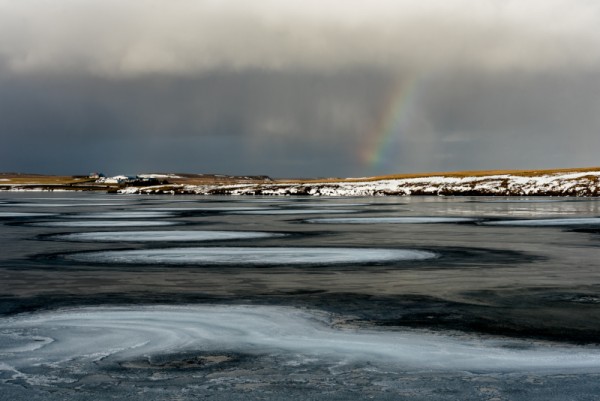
point(159, 176)
point(561, 184)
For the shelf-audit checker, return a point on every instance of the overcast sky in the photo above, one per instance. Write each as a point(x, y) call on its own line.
point(298, 88)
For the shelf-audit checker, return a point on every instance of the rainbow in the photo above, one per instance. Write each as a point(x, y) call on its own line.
point(392, 123)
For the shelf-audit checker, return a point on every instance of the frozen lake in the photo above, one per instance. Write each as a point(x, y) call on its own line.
point(225, 298)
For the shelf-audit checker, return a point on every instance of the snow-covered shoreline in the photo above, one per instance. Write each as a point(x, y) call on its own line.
point(556, 184)
point(566, 183)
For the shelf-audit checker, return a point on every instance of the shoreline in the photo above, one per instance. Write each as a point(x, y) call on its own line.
point(566, 183)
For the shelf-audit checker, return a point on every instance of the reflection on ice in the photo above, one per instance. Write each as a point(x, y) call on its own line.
point(249, 256)
point(150, 236)
point(105, 223)
point(119, 334)
point(392, 220)
point(545, 222)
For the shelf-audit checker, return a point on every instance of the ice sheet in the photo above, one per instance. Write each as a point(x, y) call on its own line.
point(63, 204)
point(325, 203)
point(122, 215)
point(546, 222)
point(105, 223)
point(392, 220)
point(155, 236)
point(250, 256)
point(24, 214)
point(299, 211)
point(123, 333)
point(205, 209)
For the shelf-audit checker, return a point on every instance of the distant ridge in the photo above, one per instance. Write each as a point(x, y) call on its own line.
point(548, 182)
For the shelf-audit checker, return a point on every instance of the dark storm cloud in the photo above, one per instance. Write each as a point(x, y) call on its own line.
point(298, 88)
point(515, 119)
point(240, 122)
point(294, 123)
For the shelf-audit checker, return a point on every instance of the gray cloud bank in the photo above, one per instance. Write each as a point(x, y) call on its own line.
point(297, 88)
point(130, 37)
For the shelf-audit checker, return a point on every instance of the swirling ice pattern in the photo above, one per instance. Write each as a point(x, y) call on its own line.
point(125, 333)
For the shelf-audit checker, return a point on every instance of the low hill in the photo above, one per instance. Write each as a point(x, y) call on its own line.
point(556, 182)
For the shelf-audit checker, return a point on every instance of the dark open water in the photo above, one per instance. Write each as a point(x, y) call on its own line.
point(142, 297)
